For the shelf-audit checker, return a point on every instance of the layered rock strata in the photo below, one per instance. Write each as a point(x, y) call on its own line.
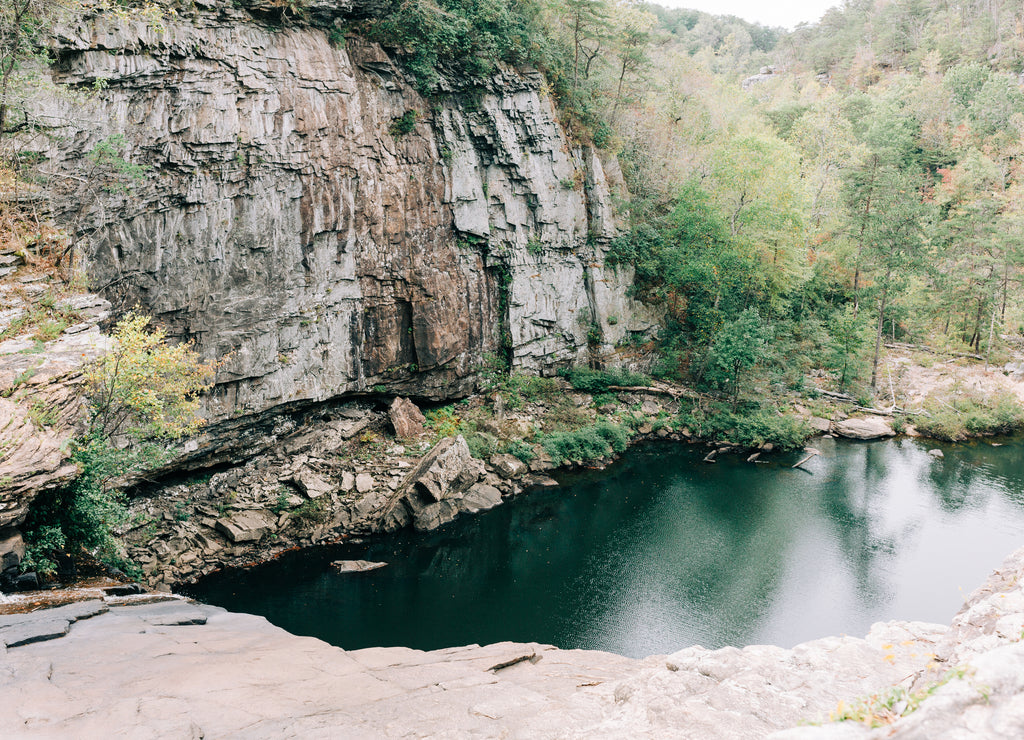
point(308, 217)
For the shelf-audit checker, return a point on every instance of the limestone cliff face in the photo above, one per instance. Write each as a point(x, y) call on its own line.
point(310, 217)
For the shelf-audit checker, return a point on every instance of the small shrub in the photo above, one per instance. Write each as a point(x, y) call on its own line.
point(443, 421)
point(312, 511)
point(520, 449)
point(281, 504)
point(588, 443)
point(969, 416)
point(750, 428)
point(599, 381)
point(481, 445)
point(404, 124)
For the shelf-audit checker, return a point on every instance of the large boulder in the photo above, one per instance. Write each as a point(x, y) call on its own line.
point(432, 491)
point(864, 428)
point(447, 470)
point(508, 466)
point(406, 418)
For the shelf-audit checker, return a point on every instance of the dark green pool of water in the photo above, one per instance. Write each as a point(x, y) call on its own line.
point(661, 551)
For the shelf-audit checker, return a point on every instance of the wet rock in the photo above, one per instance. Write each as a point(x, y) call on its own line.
point(356, 566)
point(541, 463)
point(540, 481)
point(432, 516)
point(936, 453)
point(406, 418)
point(864, 428)
point(508, 466)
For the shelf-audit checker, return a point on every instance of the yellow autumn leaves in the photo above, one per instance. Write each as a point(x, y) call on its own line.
point(146, 387)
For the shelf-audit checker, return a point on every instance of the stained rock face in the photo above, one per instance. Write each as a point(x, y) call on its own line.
point(406, 418)
point(287, 225)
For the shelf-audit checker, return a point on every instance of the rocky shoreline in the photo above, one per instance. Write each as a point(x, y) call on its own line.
point(360, 471)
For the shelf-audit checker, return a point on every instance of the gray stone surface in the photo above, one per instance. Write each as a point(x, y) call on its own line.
point(246, 526)
point(45, 624)
point(356, 566)
point(312, 484)
point(869, 427)
point(238, 676)
point(157, 670)
point(481, 497)
point(974, 686)
point(508, 466)
point(406, 418)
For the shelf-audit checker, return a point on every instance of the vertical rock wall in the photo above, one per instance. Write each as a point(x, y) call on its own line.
point(308, 216)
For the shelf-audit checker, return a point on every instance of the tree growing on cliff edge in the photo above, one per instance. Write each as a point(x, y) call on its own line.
point(142, 396)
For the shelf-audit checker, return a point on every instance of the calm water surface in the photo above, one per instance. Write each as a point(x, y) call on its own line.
point(661, 551)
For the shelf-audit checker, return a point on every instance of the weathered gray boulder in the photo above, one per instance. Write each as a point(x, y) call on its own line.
point(312, 484)
point(431, 516)
point(819, 424)
point(447, 470)
point(508, 466)
point(356, 566)
point(864, 428)
point(406, 418)
point(12, 548)
point(481, 497)
point(247, 526)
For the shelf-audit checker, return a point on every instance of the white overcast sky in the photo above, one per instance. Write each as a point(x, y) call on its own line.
point(786, 13)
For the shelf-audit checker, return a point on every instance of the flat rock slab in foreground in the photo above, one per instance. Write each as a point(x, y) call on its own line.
point(153, 670)
point(158, 671)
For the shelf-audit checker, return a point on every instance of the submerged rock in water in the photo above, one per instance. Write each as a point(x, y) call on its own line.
point(356, 566)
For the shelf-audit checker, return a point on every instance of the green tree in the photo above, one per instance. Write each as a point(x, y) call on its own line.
point(740, 345)
point(894, 236)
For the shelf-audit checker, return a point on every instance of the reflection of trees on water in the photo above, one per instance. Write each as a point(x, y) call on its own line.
point(854, 483)
point(658, 552)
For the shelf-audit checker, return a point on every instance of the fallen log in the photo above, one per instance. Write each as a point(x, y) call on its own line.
point(931, 350)
point(812, 452)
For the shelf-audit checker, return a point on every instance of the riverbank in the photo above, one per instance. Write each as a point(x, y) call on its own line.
point(175, 668)
point(359, 469)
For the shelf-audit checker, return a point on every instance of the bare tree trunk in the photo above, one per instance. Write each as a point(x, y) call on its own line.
point(878, 332)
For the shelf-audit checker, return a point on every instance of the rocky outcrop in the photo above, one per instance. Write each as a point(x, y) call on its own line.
point(40, 401)
point(217, 674)
point(291, 226)
point(340, 474)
